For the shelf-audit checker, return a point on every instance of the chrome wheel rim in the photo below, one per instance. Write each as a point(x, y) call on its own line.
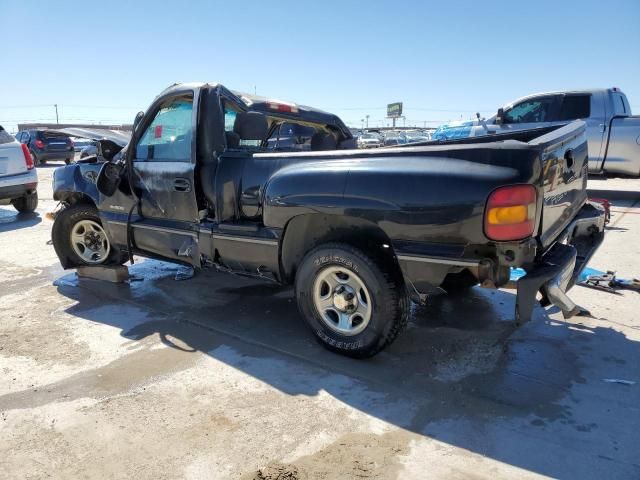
point(89, 241)
point(342, 300)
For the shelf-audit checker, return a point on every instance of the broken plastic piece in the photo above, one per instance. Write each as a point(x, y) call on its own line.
point(619, 380)
point(185, 273)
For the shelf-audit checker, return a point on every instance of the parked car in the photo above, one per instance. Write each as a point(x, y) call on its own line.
point(369, 140)
point(613, 133)
point(18, 178)
point(80, 143)
point(357, 233)
point(393, 139)
point(88, 151)
point(47, 145)
point(98, 139)
point(415, 137)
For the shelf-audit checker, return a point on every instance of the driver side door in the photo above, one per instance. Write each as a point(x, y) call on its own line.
point(164, 177)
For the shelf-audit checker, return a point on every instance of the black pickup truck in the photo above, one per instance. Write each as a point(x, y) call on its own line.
point(278, 190)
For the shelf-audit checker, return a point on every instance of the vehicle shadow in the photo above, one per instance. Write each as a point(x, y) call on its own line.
point(461, 373)
point(10, 219)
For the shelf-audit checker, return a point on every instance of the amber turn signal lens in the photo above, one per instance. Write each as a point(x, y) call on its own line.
point(503, 215)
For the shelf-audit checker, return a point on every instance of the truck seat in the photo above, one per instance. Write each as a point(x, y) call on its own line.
point(251, 126)
point(233, 139)
point(323, 141)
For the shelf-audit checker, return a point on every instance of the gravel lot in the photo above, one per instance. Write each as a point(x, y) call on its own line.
point(217, 377)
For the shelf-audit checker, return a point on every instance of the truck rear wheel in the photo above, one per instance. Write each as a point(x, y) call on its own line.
point(78, 236)
point(354, 305)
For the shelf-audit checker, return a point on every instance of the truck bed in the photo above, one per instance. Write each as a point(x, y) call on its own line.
point(433, 192)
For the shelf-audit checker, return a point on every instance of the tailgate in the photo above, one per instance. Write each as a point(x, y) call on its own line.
point(11, 156)
point(563, 154)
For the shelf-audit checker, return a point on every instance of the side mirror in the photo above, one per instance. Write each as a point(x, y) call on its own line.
point(137, 120)
point(109, 178)
point(500, 116)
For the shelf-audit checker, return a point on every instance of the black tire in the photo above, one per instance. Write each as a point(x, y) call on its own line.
point(34, 157)
point(61, 236)
point(456, 282)
point(389, 301)
point(26, 204)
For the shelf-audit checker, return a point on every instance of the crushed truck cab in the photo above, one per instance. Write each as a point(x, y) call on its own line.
point(278, 190)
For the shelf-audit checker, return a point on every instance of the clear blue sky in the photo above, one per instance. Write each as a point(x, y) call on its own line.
point(445, 60)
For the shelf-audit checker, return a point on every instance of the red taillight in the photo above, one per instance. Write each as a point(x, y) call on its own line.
point(27, 156)
point(510, 213)
point(39, 143)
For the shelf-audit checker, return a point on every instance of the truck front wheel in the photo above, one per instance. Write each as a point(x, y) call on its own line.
point(78, 236)
point(354, 305)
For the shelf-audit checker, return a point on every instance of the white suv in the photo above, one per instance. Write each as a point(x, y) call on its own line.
point(18, 178)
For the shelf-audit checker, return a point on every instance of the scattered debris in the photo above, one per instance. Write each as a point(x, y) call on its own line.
point(185, 273)
point(607, 281)
point(606, 204)
point(66, 281)
point(618, 380)
point(53, 213)
point(278, 471)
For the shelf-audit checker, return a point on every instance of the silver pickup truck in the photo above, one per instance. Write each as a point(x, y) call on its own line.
point(613, 133)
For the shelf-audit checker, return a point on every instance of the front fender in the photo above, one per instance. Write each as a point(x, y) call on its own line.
point(76, 180)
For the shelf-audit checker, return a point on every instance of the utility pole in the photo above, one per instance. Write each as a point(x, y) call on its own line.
point(57, 122)
point(367, 117)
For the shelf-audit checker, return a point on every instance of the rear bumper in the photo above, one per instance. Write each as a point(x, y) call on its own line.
point(55, 155)
point(552, 273)
point(556, 271)
point(16, 186)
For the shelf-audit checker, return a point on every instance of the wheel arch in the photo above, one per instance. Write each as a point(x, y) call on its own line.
point(307, 231)
point(73, 198)
point(79, 201)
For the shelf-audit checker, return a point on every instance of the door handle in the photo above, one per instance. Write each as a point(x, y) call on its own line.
point(182, 185)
